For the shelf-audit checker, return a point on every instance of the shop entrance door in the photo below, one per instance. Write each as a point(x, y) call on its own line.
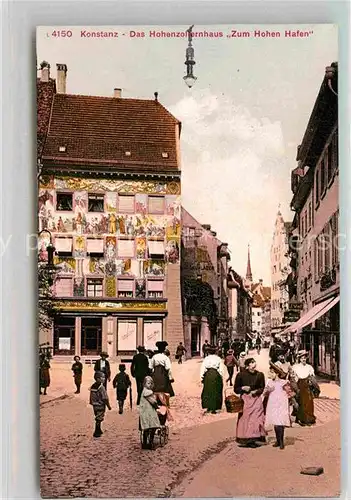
point(91, 336)
point(195, 340)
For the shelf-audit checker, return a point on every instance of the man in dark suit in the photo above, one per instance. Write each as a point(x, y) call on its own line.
point(102, 365)
point(139, 369)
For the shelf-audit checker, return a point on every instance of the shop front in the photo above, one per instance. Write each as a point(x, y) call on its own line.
point(86, 328)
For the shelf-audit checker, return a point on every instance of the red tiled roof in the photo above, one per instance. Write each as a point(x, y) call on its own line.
point(99, 130)
point(45, 95)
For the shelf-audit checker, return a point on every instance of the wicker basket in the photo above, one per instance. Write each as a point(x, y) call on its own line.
point(233, 403)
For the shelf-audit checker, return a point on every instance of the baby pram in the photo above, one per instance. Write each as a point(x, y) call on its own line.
point(162, 432)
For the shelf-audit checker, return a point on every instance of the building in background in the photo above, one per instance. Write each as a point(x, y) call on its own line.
point(261, 296)
point(109, 199)
point(240, 307)
point(266, 320)
point(314, 283)
point(280, 270)
point(204, 270)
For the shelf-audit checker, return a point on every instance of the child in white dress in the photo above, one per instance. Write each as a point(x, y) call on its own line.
point(277, 391)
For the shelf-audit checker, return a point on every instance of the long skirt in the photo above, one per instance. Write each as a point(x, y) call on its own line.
point(44, 377)
point(212, 392)
point(305, 413)
point(250, 426)
point(161, 381)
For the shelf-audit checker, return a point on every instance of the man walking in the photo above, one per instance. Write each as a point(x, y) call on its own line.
point(205, 348)
point(180, 352)
point(139, 369)
point(103, 366)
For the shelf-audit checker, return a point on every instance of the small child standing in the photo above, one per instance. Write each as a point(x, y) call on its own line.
point(277, 411)
point(121, 383)
point(77, 369)
point(99, 400)
point(148, 416)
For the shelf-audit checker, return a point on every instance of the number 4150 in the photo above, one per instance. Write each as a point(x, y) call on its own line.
point(62, 34)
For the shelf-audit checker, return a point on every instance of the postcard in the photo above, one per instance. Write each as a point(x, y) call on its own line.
point(188, 261)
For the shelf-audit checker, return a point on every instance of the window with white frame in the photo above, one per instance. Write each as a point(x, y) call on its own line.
point(95, 287)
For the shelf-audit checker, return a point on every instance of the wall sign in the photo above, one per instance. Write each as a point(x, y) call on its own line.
point(64, 344)
point(126, 335)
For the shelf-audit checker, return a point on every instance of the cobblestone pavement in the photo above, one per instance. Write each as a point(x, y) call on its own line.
point(74, 464)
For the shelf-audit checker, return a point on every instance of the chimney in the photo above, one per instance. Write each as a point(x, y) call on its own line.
point(61, 78)
point(45, 71)
point(207, 227)
point(117, 93)
point(156, 96)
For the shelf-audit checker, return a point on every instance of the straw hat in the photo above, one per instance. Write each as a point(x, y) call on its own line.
point(302, 353)
point(278, 369)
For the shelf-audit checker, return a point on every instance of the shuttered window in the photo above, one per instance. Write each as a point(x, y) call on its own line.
point(63, 246)
point(125, 288)
point(126, 248)
point(126, 204)
point(156, 204)
point(155, 289)
point(63, 287)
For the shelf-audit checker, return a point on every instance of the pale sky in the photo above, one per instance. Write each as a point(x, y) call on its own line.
point(241, 122)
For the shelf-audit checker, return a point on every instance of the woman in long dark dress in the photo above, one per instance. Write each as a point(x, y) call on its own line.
point(44, 374)
point(304, 375)
point(161, 374)
point(250, 384)
point(212, 379)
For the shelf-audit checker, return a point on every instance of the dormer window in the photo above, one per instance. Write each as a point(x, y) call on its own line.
point(128, 153)
point(62, 149)
point(165, 155)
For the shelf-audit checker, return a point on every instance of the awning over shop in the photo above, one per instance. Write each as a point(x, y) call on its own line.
point(312, 315)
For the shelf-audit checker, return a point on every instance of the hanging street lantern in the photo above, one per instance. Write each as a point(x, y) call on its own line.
point(189, 78)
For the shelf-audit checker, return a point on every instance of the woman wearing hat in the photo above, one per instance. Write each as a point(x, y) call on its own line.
point(303, 373)
point(277, 391)
point(162, 374)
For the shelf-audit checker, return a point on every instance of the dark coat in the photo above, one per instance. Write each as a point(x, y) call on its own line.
point(77, 369)
point(140, 366)
point(106, 370)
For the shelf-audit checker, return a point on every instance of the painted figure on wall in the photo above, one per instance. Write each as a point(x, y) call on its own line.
point(46, 198)
point(129, 226)
point(112, 224)
point(172, 251)
point(96, 265)
point(140, 203)
point(111, 202)
point(65, 264)
point(60, 225)
point(121, 226)
point(110, 268)
point(79, 246)
point(124, 266)
point(140, 248)
point(173, 229)
point(81, 201)
point(110, 248)
point(154, 267)
point(78, 287)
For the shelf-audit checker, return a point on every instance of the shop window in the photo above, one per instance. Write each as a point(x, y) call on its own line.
point(64, 202)
point(64, 335)
point(94, 287)
point(126, 335)
point(96, 202)
point(152, 333)
point(125, 288)
point(156, 204)
point(63, 286)
point(126, 203)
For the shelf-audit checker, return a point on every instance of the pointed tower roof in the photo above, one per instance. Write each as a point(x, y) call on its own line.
point(248, 269)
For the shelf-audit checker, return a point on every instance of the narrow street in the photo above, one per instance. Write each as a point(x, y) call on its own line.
point(73, 463)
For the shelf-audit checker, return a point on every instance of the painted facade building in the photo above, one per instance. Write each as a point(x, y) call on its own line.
point(240, 307)
point(280, 269)
point(315, 277)
point(266, 320)
point(109, 194)
point(204, 270)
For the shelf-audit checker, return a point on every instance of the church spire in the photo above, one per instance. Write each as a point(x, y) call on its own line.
point(248, 269)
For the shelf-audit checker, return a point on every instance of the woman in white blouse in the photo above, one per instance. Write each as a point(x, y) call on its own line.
point(303, 373)
point(212, 379)
point(161, 373)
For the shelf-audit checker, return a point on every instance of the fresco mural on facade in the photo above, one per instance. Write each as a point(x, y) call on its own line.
point(43, 242)
point(110, 247)
point(154, 267)
point(140, 288)
point(120, 186)
point(47, 182)
point(172, 251)
point(124, 267)
point(141, 203)
point(96, 223)
point(78, 287)
point(65, 264)
point(135, 268)
point(112, 223)
point(173, 228)
point(80, 201)
point(111, 201)
point(173, 206)
point(79, 246)
point(121, 225)
point(46, 208)
point(96, 265)
point(141, 248)
point(110, 268)
point(110, 286)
